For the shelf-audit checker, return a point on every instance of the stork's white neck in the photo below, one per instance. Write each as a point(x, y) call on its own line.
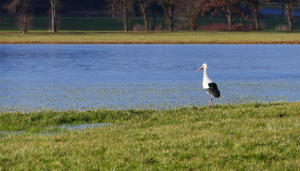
point(206, 80)
point(205, 77)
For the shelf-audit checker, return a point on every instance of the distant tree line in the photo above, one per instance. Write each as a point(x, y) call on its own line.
point(149, 10)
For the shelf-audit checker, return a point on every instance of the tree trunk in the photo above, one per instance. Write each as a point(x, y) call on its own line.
point(143, 8)
point(193, 22)
point(229, 16)
point(289, 15)
point(171, 18)
point(146, 22)
point(125, 15)
point(53, 16)
point(25, 22)
point(153, 20)
point(113, 4)
point(169, 13)
point(256, 18)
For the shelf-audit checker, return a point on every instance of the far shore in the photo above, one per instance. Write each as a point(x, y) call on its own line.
point(149, 42)
point(182, 37)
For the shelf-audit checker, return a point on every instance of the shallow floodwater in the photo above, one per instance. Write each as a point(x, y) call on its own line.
point(81, 77)
point(68, 127)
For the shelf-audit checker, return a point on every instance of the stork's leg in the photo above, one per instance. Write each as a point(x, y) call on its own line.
point(210, 103)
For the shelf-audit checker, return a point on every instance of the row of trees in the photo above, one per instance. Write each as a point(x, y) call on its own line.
point(23, 8)
point(248, 10)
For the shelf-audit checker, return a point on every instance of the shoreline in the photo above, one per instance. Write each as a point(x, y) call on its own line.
point(104, 114)
point(185, 37)
point(151, 42)
point(101, 108)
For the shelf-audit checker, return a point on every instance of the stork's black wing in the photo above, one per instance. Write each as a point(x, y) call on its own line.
point(213, 90)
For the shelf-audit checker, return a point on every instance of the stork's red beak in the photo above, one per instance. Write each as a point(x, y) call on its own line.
point(199, 69)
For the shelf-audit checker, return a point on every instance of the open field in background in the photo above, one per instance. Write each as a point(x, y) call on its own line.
point(248, 136)
point(184, 37)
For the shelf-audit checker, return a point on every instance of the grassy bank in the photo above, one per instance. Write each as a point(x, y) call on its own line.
point(248, 136)
point(199, 37)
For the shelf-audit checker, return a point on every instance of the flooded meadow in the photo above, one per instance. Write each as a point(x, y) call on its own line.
point(83, 77)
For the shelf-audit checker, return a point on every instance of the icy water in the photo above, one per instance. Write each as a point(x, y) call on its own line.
point(81, 77)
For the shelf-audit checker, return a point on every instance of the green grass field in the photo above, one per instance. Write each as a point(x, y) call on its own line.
point(239, 137)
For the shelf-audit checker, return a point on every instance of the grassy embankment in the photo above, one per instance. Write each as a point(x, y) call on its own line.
point(247, 136)
point(199, 37)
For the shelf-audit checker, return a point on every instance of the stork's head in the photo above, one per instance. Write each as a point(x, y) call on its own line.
point(203, 66)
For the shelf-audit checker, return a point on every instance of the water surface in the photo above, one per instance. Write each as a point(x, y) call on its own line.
point(81, 77)
point(56, 129)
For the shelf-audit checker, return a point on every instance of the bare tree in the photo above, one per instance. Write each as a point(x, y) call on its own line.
point(25, 23)
point(168, 7)
point(286, 5)
point(53, 16)
point(113, 7)
point(228, 11)
point(154, 9)
point(21, 7)
point(125, 15)
point(190, 9)
point(226, 7)
point(121, 8)
point(255, 6)
point(144, 6)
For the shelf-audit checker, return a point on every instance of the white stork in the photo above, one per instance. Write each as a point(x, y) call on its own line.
point(208, 85)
